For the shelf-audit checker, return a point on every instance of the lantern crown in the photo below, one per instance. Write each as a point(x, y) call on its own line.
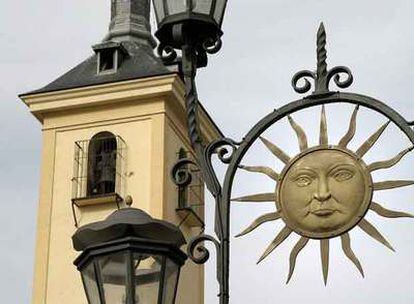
point(201, 19)
point(129, 222)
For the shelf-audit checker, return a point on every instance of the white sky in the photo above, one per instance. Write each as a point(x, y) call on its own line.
point(265, 43)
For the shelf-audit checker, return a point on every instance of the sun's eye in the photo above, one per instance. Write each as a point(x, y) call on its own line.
point(303, 180)
point(343, 175)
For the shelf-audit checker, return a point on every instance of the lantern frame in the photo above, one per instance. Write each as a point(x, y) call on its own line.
point(129, 232)
point(131, 245)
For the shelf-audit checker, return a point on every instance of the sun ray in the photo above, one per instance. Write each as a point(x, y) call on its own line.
point(276, 150)
point(261, 197)
point(343, 143)
point(286, 231)
point(294, 254)
point(388, 163)
point(325, 259)
point(346, 247)
point(260, 169)
point(259, 221)
point(377, 208)
point(374, 233)
point(392, 184)
point(302, 139)
point(323, 136)
point(370, 142)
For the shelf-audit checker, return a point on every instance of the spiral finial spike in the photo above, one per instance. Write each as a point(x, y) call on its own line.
point(322, 77)
point(322, 68)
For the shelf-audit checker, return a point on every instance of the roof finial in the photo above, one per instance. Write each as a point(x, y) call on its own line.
point(130, 22)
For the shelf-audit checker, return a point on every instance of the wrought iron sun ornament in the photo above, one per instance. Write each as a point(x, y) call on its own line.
point(322, 77)
point(323, 192)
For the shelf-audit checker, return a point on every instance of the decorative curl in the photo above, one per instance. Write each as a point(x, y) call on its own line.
point(166, 53)
point(203, 253)
point(212, 46)
point(220, 146)
point(303, 75)
point(180, 173)
point(336, 72)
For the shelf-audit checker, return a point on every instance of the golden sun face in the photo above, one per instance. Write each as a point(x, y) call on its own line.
point(324, 192)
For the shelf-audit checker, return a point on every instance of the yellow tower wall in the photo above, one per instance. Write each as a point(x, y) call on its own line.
point(149, 116)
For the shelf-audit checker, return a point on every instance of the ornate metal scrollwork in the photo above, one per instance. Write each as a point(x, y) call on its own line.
point(322, 77)
point(203, 253)
point(220, 147)
point(212, 46)
point(231, 152)
point(303, 75)
point(336, 73)
point(181, 174)
point(167, 53)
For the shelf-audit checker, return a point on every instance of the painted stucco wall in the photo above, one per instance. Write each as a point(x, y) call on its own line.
point(149, 116)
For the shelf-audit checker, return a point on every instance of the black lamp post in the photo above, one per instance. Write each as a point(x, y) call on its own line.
point(194, 28)
point(129, 258)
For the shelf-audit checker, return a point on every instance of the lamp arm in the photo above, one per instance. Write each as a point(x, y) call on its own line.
point(193, 57)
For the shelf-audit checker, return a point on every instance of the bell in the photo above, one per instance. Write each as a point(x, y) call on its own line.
point(106, 171)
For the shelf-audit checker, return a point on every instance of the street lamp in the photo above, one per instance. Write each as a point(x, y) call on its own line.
point(129, 258)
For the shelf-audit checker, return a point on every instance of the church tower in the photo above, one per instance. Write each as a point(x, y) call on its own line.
point(112, 128)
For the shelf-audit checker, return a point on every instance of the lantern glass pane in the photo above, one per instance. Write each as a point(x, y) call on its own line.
point(177, 6)
point(202, 6)
point(170, 282)
point(219, 13)
point(113, 270)
point(91, 286)
point(159, 10)
point(147, 276)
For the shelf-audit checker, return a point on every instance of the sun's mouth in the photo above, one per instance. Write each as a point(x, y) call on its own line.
point(323, 212)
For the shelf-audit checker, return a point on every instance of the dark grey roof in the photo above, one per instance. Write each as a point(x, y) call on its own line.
point(141, 62)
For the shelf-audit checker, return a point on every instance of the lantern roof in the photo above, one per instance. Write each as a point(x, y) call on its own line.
point(128, 222)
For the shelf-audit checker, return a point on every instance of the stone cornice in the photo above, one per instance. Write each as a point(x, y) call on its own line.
point(162, 86)
point(168, 87)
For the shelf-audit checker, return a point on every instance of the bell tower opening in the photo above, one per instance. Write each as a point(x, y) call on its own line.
point(102, 164)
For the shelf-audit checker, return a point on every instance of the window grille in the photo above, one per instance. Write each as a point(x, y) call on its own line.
point(99, 170)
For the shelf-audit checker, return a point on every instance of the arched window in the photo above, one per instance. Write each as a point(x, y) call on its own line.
point(102, 154)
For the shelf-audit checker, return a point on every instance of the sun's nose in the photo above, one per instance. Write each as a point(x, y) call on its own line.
point(322, 196)
point(323, 193)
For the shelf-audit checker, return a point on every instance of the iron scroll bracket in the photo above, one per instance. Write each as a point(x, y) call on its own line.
point(231, 152)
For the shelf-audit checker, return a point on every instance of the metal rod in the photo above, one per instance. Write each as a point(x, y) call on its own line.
point(189, 67)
